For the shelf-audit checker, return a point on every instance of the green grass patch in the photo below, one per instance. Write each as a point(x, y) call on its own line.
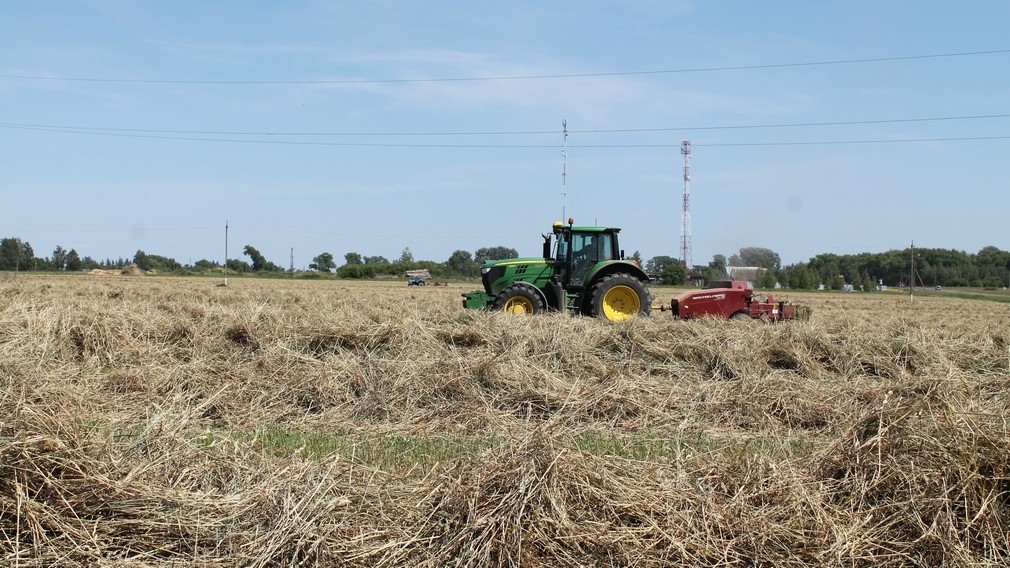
point(659, 448)
point(387, 452)
point(393, 452)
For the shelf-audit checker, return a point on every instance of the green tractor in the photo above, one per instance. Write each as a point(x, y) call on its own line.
point(585, 274)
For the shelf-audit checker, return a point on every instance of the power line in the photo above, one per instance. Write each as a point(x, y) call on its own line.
point(798, 124)
point(513, 146)
point(278, 133)
point(274, 142)
point(102, 130)
point(832, 142)
point(516, 77)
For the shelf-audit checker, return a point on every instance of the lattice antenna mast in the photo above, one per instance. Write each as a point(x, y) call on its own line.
point(564, 164)
point(685, 219)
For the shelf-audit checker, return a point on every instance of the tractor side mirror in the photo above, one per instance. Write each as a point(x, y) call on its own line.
point(622, 254)
point(547, 246)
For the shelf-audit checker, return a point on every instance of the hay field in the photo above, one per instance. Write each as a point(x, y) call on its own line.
point(169, 421)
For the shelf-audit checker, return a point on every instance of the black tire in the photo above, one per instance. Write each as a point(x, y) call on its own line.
point(740, 316)
point(517, 299)
point(614, 297)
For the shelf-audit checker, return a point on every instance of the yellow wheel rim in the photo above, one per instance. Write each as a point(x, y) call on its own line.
point(621, 303)
point(519, 305)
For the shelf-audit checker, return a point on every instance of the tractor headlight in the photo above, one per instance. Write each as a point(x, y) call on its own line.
point(484, 270)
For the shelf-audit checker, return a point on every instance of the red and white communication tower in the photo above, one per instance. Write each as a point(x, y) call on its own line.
point(685, 219)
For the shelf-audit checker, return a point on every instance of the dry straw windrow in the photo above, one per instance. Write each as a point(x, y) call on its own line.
point(170, 421)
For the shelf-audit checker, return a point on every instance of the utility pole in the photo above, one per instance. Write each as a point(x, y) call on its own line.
point(911, 276)
point(225, 271)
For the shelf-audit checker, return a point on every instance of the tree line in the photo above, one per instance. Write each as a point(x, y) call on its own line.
point(989, 267)
point(18, 255)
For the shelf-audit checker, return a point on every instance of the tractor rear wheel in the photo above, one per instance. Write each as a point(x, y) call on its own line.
point(519, 300)
point(619, 297)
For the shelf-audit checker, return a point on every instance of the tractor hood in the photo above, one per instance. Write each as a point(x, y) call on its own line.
point(504, 262)
point(497, 274)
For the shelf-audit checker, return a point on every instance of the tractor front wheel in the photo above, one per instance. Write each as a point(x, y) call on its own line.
point(619, 297)
point(519, 300)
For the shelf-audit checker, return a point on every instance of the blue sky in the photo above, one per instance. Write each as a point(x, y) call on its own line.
point(374, 126)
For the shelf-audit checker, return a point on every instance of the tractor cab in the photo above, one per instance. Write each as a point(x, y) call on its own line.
point(577, 250)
